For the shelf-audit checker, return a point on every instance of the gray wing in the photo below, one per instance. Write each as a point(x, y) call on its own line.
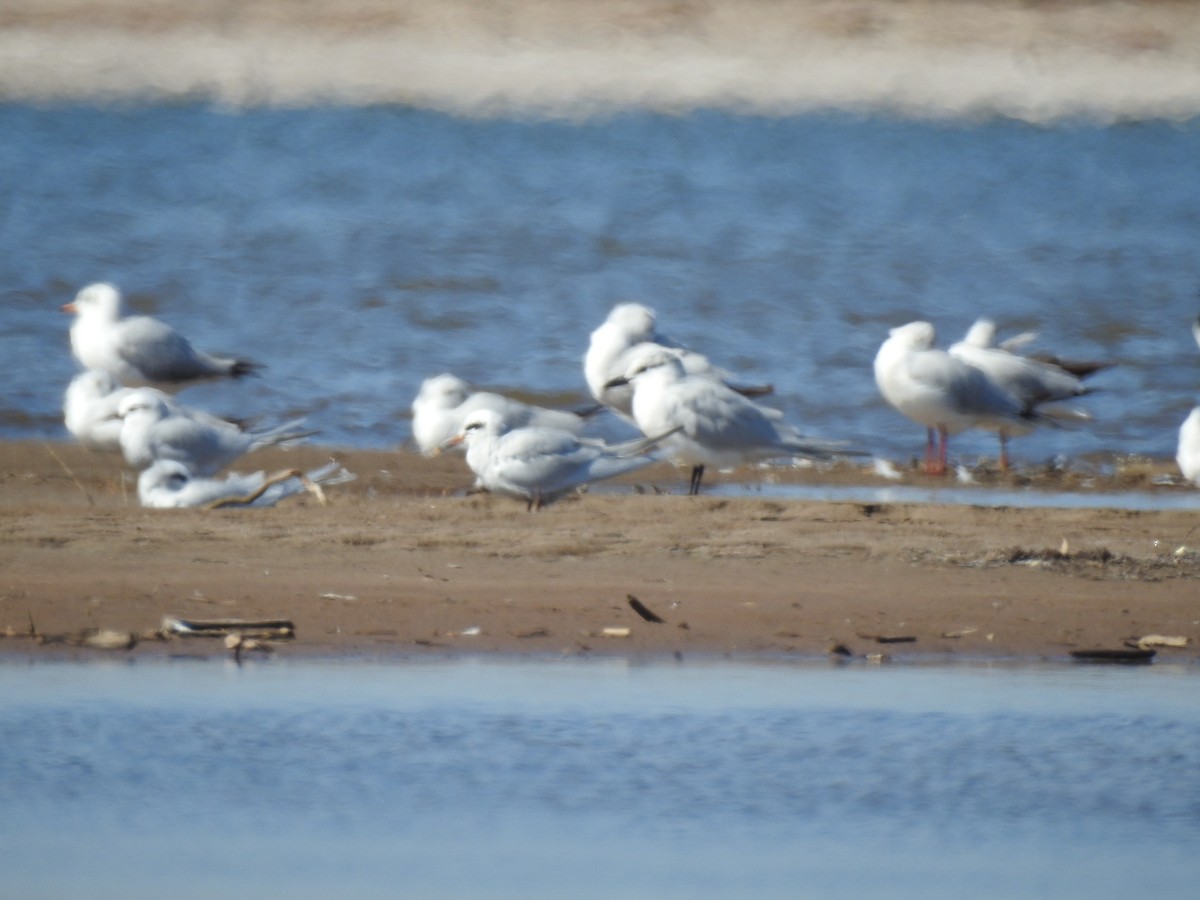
point(163, 355)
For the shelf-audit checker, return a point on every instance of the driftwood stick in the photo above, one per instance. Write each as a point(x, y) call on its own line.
point(70, 474)
point(283, 475)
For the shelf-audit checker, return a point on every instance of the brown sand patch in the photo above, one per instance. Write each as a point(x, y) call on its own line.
point(400, 561)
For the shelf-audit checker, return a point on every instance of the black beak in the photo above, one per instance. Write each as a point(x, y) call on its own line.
point(616, 382)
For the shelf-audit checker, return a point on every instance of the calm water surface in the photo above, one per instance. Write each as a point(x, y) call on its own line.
point(356, 251)
point(597, 779)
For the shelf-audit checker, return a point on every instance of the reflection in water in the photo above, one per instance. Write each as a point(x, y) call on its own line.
point(597, 779)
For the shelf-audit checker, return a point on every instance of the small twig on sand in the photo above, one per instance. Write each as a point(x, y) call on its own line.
point(67, 469)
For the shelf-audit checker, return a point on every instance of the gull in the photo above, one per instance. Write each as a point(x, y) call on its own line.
point(942, 392)
point(1187, 454)
point(169, 484)
point(1033, 382)
point(140, 350)
point(708, 422)
point(90, 409)
point(152, 431)
point(538, 464)
point(982, 336)
point(444, 402)
point(630, 331)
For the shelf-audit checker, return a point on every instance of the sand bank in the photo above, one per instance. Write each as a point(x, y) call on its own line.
point(402, 562)
point(1034, 61)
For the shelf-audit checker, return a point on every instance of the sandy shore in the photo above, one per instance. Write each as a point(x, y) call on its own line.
point(402, 562)
point(1033, 61)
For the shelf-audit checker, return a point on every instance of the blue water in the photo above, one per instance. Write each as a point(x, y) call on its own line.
point(356, 251)
point(597, 779)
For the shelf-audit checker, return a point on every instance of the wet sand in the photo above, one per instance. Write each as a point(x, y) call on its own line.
point(402, 562)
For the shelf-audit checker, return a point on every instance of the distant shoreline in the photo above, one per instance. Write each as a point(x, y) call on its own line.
point(927, 58)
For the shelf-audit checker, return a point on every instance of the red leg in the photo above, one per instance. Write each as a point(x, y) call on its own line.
point(929, 452)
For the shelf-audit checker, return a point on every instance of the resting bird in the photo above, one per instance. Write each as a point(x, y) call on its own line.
point(169, 484)
point(942, 392)
point(140, 350)
point(90, 409)
point(91, 404)
point(152, 431)
point(1031, 381)
point(631, 330)
point(444, 402)
point(709, 423)
point(539, 465)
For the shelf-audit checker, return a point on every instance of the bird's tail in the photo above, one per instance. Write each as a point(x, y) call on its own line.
point(292, 432)
point(816, 448)
point(1058, 416)
point(243, 367)
point(330, 473)
point(641, 445)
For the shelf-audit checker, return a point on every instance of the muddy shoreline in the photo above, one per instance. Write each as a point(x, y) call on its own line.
point(402, 563)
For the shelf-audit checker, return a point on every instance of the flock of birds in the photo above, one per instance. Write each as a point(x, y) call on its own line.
point(686, 408)
point(123, 401)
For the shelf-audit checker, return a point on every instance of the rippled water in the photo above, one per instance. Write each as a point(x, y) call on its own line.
point(356, 251)
point(552, 779)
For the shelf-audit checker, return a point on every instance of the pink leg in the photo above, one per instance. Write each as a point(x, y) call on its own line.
point(929, 451)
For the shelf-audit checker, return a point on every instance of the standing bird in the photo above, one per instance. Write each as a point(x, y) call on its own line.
point(169, 484)
point(631, 330)
point(444, 402)
point(708, 422)
point(1187, 454)
point(139, 350)
point(983, 334)
point(537, 464)
point(942, 392)
point(1031, 381)
point(152, 430)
